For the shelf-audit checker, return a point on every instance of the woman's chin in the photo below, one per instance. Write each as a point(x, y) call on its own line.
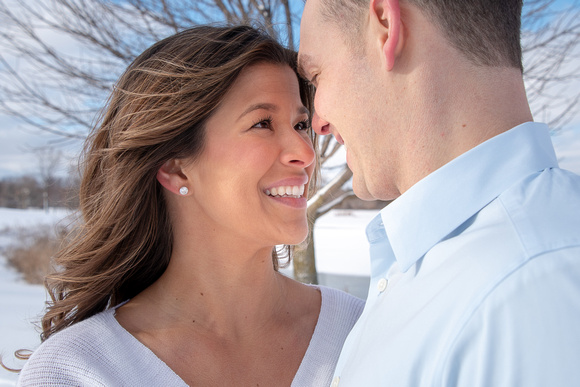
point(296, 239)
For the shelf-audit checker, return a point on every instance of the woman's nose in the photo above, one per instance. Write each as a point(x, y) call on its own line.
point(298, 150)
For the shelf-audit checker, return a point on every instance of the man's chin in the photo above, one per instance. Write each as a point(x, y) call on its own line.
point(361, 191)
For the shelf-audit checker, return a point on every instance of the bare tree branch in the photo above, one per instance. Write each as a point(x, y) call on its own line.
point(328, 192)
point(551, 49)
point(289, 23)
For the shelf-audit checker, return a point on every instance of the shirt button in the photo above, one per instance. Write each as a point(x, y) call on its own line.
point(335, 381)
point(382, 285)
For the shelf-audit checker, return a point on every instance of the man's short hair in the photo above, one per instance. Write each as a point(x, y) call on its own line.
point(487, 32)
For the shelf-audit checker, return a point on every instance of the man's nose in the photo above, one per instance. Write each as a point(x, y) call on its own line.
point(319, 125)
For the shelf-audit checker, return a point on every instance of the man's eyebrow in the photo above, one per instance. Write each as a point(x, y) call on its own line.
point(271, 107)
point(304, 62)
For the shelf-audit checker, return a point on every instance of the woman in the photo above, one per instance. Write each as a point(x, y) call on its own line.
point(199, 168)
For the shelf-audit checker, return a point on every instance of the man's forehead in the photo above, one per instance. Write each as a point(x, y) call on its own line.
point(310, 37)
point(309, 19)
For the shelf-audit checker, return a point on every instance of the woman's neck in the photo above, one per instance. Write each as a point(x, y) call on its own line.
point(225, 291)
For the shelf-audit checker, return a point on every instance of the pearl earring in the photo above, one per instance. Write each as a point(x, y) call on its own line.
point(183, 191)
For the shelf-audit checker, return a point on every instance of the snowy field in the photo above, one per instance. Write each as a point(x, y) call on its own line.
point(20, 303)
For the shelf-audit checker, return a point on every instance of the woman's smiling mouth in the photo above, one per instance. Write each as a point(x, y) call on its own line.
point(295, 191)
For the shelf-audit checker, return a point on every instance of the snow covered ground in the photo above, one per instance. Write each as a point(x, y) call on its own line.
point(20, 303)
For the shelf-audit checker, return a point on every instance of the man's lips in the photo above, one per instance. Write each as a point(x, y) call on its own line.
point(338, 138)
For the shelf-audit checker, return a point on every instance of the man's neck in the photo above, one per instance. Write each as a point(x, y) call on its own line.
point(463, 110)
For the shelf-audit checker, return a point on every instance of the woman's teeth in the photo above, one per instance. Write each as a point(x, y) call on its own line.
point(286, 191)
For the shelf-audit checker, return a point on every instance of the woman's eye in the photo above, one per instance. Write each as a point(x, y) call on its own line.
point(303, 125)
point(263, 124)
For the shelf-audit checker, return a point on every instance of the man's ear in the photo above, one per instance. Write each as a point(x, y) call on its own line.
point(171, 176)
point(385, 19)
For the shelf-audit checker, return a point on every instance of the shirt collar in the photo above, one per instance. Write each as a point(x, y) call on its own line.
point(446, 198)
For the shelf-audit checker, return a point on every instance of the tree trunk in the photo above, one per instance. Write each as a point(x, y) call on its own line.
point(303, 259)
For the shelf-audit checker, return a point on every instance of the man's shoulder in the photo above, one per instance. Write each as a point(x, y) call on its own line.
point(543, 209)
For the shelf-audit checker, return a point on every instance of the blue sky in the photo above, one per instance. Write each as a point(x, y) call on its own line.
point(18, 143)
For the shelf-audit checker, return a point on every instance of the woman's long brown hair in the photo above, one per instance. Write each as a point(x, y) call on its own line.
point(157, 112)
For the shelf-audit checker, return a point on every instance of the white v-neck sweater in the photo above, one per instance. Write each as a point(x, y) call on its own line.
point(100, 352)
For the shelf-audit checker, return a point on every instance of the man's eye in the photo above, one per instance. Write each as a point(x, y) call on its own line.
point(314, 80)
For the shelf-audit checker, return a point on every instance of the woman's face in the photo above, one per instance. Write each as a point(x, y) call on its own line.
point(252, 176)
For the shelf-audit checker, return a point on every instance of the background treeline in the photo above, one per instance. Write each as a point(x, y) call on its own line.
point(29, 192)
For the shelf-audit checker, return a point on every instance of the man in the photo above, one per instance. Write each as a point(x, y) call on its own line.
point(475, 272)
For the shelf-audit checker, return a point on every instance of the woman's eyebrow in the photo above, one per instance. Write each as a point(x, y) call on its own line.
point(259, 106)
point(271, 107)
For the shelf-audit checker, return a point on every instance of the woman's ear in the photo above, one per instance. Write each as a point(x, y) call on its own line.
point(385, 18)
point(171, 176)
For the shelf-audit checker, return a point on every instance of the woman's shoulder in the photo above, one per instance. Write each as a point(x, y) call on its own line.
point(339, 311)
point(74, 355)
point(97, 351)
point(81, 337)
point(339, 304)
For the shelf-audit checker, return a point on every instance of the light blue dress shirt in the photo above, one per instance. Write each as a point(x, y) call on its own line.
point(475, 275)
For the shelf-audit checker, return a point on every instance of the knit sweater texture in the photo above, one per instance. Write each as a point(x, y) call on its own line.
point(98, 351)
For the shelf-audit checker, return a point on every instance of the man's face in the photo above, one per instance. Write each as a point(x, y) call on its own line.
point(348, 100)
